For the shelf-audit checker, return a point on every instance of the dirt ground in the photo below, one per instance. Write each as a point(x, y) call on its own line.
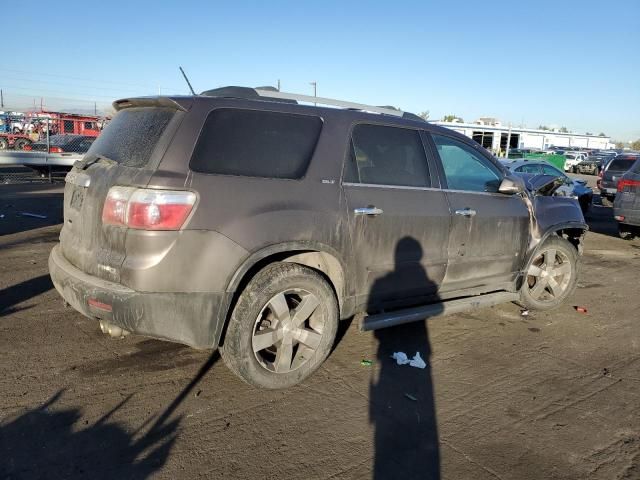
point(553, 395)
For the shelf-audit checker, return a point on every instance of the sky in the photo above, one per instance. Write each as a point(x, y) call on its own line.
point(555, 63)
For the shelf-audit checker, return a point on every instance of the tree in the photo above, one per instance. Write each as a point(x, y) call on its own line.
point(543, 127)
point(619, 144)
point(424, 115)
point(563, 130)
point(452, 118)
point(588, 133)
point(601, 134)
point(635, 145)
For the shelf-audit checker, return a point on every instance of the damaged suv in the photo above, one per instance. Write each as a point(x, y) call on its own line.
point(243, 220)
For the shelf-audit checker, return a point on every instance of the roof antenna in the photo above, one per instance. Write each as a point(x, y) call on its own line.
point(187, 80)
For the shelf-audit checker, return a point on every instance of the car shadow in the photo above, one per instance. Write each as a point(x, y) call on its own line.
point(56, 441)
point(402, 403)
point(600, 218)
point(23, 291)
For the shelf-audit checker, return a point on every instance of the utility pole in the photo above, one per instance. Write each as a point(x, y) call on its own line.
point(315, 89)
point(278, 84)
point(95, 109)
point(508, 141)
point(1, 99)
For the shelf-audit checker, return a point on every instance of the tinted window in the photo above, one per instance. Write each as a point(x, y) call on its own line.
point(636, 167)
point(256, 143)
point(621, 164)
point(387, 156)
point(528, 169)
point(132, 135)
point(465, 168)
point(68, 126)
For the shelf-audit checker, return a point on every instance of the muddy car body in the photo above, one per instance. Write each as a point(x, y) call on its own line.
point(243, 220)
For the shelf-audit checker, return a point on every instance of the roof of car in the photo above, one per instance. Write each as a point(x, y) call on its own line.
point(513, 164)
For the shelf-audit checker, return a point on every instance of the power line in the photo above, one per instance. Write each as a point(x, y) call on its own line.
point(47, 74)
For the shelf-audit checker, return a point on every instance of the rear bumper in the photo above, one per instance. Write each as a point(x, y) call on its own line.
point(631, 217)
point(193, 318)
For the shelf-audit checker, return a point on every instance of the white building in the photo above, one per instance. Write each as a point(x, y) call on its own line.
point(495, 136)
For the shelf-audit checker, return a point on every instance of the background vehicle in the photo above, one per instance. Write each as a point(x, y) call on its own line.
point(609, 176)
point(571, 187)
point(63, 144)
point(626, 207)
point(367, 213)
point(572, 161)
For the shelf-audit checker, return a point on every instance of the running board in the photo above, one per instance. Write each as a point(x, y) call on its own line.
point(416, 314)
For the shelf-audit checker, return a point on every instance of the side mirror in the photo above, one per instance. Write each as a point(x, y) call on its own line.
point(511, 185)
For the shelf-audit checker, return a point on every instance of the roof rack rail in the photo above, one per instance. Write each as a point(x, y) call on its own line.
point(328, 101)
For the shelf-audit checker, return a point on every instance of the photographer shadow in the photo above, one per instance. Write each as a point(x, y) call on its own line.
point(402, 404)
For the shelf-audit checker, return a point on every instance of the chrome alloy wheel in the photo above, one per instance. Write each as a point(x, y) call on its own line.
point(288, 330)
point(549, 275)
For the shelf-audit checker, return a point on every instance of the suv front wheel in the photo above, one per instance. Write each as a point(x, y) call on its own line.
point(282, 327)
point(551, 275)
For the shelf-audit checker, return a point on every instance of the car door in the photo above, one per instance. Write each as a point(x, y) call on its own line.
point(489, 230)
point(398, 217)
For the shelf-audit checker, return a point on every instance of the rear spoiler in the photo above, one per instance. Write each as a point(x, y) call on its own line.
point(163, 102)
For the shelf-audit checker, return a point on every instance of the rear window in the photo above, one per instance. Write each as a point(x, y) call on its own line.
point(621, 164)
point(131, 136)
point(256, 143)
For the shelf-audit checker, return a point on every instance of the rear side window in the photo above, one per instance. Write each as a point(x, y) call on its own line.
point(256, 143)
point(387, 156)
point(131, 136)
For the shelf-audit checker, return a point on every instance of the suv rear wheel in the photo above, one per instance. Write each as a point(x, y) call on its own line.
point(552, 275)
point(282, 327)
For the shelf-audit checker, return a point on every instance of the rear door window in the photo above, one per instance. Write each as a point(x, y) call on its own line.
point(256, 143)
point(132, 134)
point(384, 155)
point(528, 169)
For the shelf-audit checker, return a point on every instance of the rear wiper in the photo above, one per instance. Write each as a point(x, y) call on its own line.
point(87, 161)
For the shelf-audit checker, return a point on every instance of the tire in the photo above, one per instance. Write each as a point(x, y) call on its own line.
point(625, 232)
point(4, 144)
point(20, 143)
point(261, 319)
point(537, 292)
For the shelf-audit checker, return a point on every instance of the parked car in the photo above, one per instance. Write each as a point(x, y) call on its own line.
point(574, 188)
point(626, 207)
point(591, 165)
point(241, 220)
point(572, 161)
point(63, 144)
point(611, 173)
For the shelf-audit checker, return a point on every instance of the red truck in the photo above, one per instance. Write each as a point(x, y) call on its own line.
point(35, 128)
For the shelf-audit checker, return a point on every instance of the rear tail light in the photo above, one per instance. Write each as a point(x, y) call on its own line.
point(28, 148)
point(619, 218)
point(628, 184)
point(147, 209)
point(55, 150)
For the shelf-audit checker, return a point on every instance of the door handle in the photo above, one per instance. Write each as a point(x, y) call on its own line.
point(368, 211)
point(466, 212)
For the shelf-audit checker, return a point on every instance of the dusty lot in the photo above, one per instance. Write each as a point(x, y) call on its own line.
point(552, 395)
